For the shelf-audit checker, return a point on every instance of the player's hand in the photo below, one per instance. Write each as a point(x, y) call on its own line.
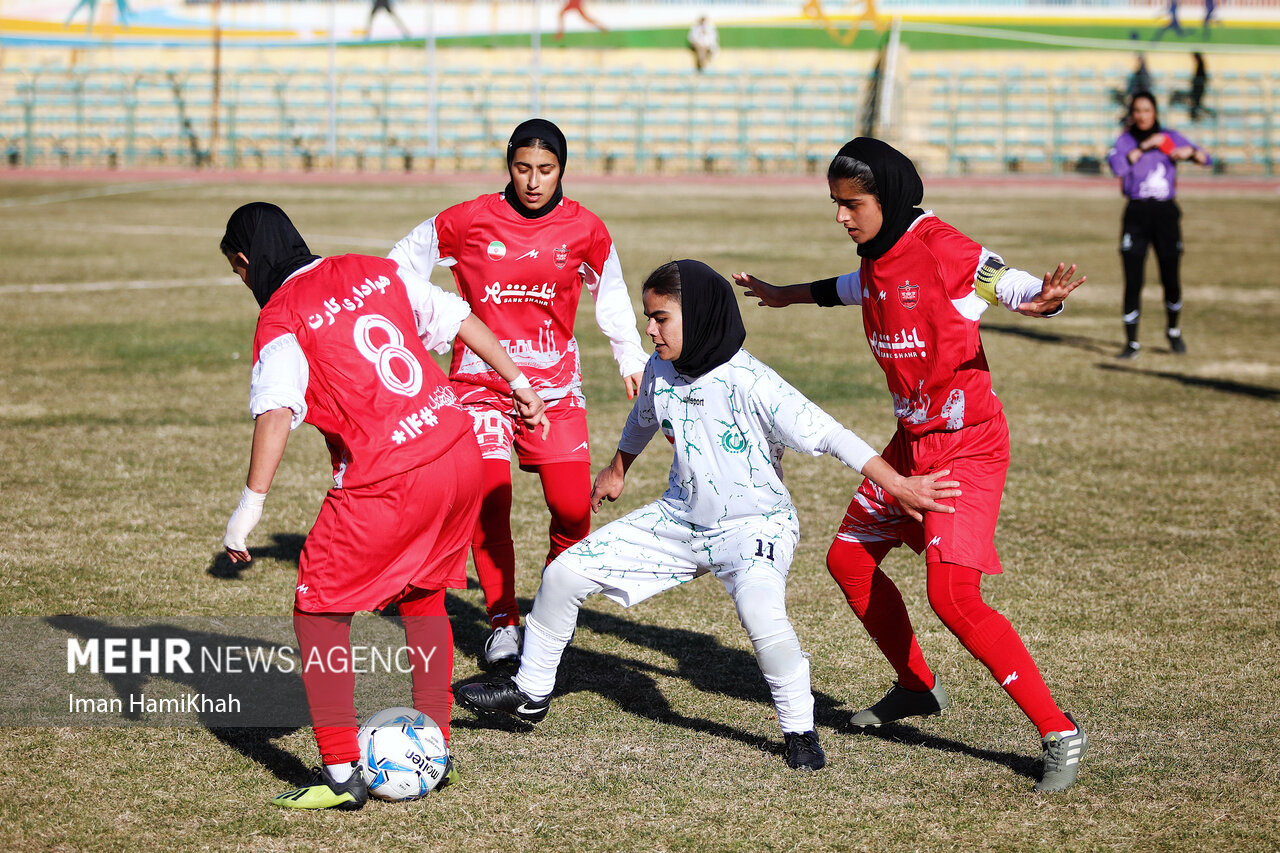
point(241, 524)
point(608, 486)
point(1155, 140)
point(531, 411)
point(918, 495)
point(632, 384)
point(769, 296)
point(1057, 285)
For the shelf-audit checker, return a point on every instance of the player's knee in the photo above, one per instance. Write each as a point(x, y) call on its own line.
point(762, 611)
point(560, 581)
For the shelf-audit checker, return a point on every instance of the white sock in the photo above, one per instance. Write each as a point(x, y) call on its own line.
point(340, 772)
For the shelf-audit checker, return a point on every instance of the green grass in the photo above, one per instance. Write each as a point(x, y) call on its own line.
point(958, 34)
point(1138, 536)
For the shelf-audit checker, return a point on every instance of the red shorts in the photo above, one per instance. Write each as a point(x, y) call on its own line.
point(497, 430)
point(372, 544)
point(978, 458)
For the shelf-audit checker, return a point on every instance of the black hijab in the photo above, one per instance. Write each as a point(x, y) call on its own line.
point(1140, 136)
point(898, 186)
point(713, 329)
point(273, 246)
point(553, 140)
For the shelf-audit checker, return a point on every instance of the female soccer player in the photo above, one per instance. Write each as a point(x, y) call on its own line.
point(520, 258)
point(342, 343)
point(923, 286)
point(729, 418)
point(1145, 157)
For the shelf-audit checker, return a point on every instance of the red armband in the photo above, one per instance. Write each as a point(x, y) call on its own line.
point(1167, 146)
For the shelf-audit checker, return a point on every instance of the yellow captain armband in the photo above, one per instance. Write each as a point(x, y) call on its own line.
point(985, 282)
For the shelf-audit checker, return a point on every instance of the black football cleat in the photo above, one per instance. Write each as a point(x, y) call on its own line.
point(803, 751)
point(501, 697)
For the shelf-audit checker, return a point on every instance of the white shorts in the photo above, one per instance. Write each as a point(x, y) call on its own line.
point(650, 550)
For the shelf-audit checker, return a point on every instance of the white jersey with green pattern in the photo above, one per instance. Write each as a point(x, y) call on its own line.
point(729, 428)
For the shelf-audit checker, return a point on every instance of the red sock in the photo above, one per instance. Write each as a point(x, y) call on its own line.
point(429, 636)
point(324, 642)
point(491, 546)
point(566, 486)
point(956, 596)
point(878, 604)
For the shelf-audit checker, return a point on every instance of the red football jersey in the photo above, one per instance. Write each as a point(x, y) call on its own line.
point(523, 278)
point(914, 311)
point(373, 390)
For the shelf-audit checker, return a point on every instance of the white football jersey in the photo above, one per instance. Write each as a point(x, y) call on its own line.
point(729, 428)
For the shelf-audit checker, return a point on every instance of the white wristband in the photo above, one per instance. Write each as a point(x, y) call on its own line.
point(521, 381)
point(244, 519)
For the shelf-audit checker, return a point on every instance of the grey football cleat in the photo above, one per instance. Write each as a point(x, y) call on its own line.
point(502, 649)
point(900, 703)
point(1060, 758)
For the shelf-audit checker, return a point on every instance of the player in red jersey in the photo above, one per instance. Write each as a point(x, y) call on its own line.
point(341, 343)
point(521, 258)
point(923, 286)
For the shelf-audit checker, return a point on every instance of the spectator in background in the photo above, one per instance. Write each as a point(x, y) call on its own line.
point(704, 41)
point(1145, 158)
point(1139, 81)
point(576, 6)
point(1172, 25)
point(1208, 16)
point(1194, 97)
point(122, 13)
point(384, 6)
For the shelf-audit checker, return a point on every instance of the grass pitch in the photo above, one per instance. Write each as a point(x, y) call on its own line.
point(1138, 536)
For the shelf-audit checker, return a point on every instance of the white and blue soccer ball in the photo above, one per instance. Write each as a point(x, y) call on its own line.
point(402, 754)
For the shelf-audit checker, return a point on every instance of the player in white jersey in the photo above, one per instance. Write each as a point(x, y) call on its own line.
point(729, 418)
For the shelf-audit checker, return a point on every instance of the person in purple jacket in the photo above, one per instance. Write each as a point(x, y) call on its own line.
point(1145, 158)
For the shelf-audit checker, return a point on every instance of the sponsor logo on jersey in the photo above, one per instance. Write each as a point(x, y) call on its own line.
point(532, 253)
point(733, 441)
point(693, 401)
point(668, 431)
point(908, 294)
point(497, 251)
point(498, 293)
point(561, 256)
point(901, 344)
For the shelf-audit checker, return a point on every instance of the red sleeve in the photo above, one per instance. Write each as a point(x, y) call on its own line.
point(452, 225)
point(599, 243)
point(957, 257)
point(271, 325)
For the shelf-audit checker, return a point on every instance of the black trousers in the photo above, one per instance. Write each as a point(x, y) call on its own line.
point(1148, 223)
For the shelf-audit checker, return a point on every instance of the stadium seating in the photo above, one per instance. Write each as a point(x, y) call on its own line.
point(636, 119)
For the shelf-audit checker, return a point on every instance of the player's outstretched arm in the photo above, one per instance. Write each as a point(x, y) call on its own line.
point(611, 479)
point(270, 435)
point(772, 296)
point(917, 495)
point(1058, 284)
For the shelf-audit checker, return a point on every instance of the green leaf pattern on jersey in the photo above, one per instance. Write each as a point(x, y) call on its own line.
point(731, 427)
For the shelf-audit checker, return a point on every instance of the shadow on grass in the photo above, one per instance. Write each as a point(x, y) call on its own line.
point(1080, 342)
point(272, 702)
point(285, 547)
point(1023, 765)
point(1226, 386)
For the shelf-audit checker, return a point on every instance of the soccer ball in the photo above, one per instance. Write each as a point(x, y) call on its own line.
point(402, 754)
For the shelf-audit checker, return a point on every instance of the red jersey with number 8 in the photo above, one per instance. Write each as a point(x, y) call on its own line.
point(373, 390)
